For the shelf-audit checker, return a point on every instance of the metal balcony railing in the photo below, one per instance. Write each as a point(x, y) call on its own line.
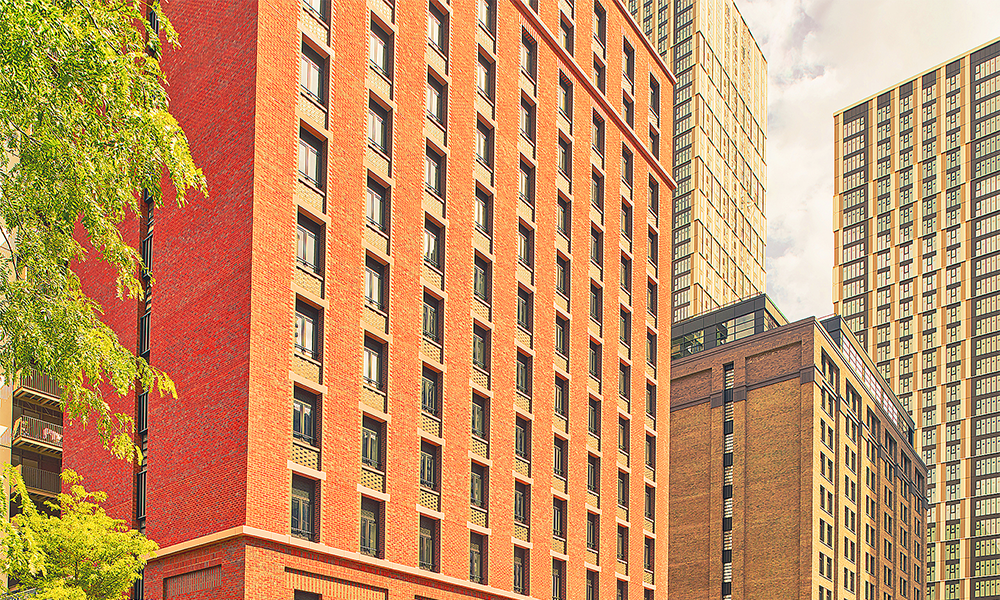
point(41, 480)
point(37, 434)
point(38, 387)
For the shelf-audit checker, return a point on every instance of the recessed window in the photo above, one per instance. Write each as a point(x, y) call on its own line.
point(562, 336)
point(484, 144)
point(650, 503)
point(624, 381)
point(563, 216)
point(428, 543)
point(375, 283)
point(559, 454)
point(477, 494)
point(628, 108)
point(593, 469)
point(372, 365)
point(597, 192)
point(303, 495)
point(434, 173)
point(651, 348)
point(628, 61)
point(597, 135)
point(371, 443)
point(429, 456)
point(477, 561)
point(432, 244)
point(377, 205)
point(622, 489)
point(524, 309)
point(437, 28)
point(594, 363)
point(651, 400)
point(626, 221)
point(625, 327)
point(310, 158)
point(480, 416)
point(593, 530)
point(558, 518)
point(484, 14)
point(526, 183)
point(566, 98)
point(623, 435)
point(484, 77)
point(596, 246)
point(561, 403)
point(528, 58)
point(378, 127)
point(520, 570)
point(380, 50)
point(304, 416)
point(522, 444)
point(598, 75)
point(521, 502)
point(318, 7)
point(311, 73)
point(558, 579)
point(626, 166)
point(626, 275)
point(431, 322)
point(436, 100)
point(524, 374)
point(596, 303)
point(481, 279)
point(307, 244)
point(484, 209)
point(562, 276)
point(480, 347)
point(600, 22)
point(566, 36)
point(528, 120)
point(650, 451)
point(525, 243)
point(566, 157)
point(371, 527)
point(430, 391)
point(306, 329)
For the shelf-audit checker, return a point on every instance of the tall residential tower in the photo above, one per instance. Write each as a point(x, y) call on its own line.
point(719, 228)
point(917, 276)
point(415, 329)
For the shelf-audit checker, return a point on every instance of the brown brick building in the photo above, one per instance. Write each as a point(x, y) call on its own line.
point(403, 363)
point(793, 472)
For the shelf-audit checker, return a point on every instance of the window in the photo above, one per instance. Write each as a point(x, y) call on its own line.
point(380, 50)
point(595, 360)
point(524, 306)
point(375, 283)
point(626, 221)
point(654, 196)
point(318, 7)
point(600, 20)
point(371, 443)
point(593, 530)
point(622, 489)
point(626, 275)
point(304, 416)
point(562, 276)
point(434, 173)
point(597, 135)
point(437, 28)
point(311, 67)
point(430, 391)
point(596, 246)
point(310, 149)
point(566, 157)
point(526, 183)
point(566, 98)
point(562, 336)
point(521, 502)
point(525, 248)
point(432, 244)
point(307, 246)
point(563, 216)
point(378, 127)
point(625, 327)
point(484, 144)
point(429, 465)
point(528, 120)
point(648, 554)
point(650, 504)
point(561, 403)
point(654, 247)
point(651, 348)
point(654, 95)
point(558, 580)
point(376, 204)
point(484, 77)
point(599, 75)
point(593, 472)
point(650, 399)
point(477, 494)
point(651, 298)
point(484, 209)
point(306, 328)
point(628, 110)
point(650, 452)
point(597, 192)
point(524, 374)
point(594, 417)
point(559, 457)
point(596, 303)
point(628, 61)
point(623, 435)
point(566, 36)
point(427, 559)
point(303, 493)
point(481, 279)
point(558, 518)
point(480, 347)
point(431, 318)
point(435, 100)
point(372, 368)
point(479, 416)
point(520, 570)
point(624, 381)
point(371, 525)
point(528, 50)
point(626, 166)
point(622, 545)
point(522, 446)
point(593, 588)
point(477, 548)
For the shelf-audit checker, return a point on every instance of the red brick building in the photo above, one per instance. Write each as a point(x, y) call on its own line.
point(403, 363)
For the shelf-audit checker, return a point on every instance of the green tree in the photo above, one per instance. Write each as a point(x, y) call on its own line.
point(82, 554)
point(84, 128)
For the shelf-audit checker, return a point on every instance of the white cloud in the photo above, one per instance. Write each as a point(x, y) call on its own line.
point(824, 55)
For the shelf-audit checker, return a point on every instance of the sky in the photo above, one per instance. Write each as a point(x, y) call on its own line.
point(824, 56)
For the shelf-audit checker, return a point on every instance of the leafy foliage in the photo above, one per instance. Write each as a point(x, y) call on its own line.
point(83, 554)
point(84, 127)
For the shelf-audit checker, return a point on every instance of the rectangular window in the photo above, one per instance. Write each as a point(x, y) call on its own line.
point(484, 77)
point(380, 50)
point(429, 465)
point(648, 554)
point(650, 452)
point(600, 20)
point(597, 135)
point(378, 127)
point(522, 446)
point(479, 416)
point(528, 120)
point(623, 435)
point(524, 374)
point(311, 68)
point(651, 400)
point(437, 28)
point(528, 58)
point(525, 249)
point(594, 417)
point(431, 321)
point(484, 14)
point(520, 570)
point(596, 246)
point(307, 244)
point(563, 216)
point(371, 443)
point(626, 275)
point(566, 36)
point(303, 493)
point(434, 173)
point(596, 303)
point(566, 98)
point(650, 503)
point(477, 565)
point(310, 162)
point(597, 192)
point(561, 404)
point(432, 244)
point(558, 518)
point(562, 336)
point(435, 100)
point(622, 545)
point(371, 525)
point(562, 276)
point(524, 306)
point(526, 183)
point(558, 580)
point(628, 61)
point(306, 329)
point(477, 494)
point(628, 110)
point(484, 144)
point(625, 327)
point(626, 166)
point(593, 472)
point(376, 205)
point(375, 283)
point(521, 502)
point(593, 530)
point(372, 367)
point(566, 157)
point(484, 209)
point(481, 279)
point(427, 558)
point(303, 416)
point(624, 381)
point(594, 362)
point(480, 347)
point(622, 489)
point(430, 391)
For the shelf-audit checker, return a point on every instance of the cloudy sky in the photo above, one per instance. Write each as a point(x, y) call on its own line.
point(824, 55)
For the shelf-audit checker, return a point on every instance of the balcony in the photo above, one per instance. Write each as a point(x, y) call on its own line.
point(39, 481)
point(37, 388)
point(37, 435)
